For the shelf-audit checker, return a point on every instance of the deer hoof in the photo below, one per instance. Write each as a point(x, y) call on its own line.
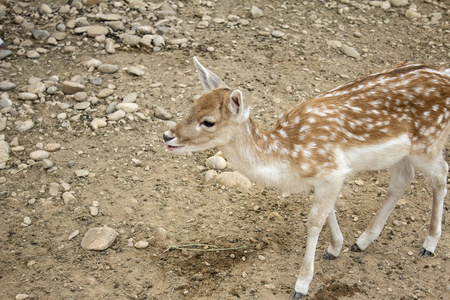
point(296, 295)
point(425, 253)
point(355, 248)
point(329, 256)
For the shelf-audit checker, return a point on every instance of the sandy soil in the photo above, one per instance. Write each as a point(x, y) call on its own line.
point(166, 201)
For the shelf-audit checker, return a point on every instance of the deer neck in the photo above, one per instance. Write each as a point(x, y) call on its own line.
point(256, 154)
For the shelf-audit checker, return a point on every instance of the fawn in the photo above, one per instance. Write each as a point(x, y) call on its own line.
point(397, 119)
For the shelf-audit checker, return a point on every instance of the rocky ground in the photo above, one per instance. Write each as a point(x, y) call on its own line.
point(88, 87)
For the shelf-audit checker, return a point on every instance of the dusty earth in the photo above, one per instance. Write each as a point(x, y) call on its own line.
point(165, 199)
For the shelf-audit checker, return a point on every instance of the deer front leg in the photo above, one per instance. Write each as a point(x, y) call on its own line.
point(321, 209)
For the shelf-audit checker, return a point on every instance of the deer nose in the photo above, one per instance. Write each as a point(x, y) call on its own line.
point(167, 138)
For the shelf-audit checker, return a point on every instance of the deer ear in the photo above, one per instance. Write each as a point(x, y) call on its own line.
point(210, 81)
point(238, 108)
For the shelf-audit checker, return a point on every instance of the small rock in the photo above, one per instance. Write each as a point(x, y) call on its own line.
point(27, 96)
point(115, 25)
point(45, 9)
point(73, 235)
point(163, 233)
point(25, 126)
point(107, 68)
point(93, 211)
point(158, 41)
point(399, 3)
point(39, 155)
point(141, 244)
point(202, 24)
point(68, 198)
point(40, 34)
point(93, 63)
point(109, 17)
point(210, 174)
point(47, 163)
point(36, 88)
point(359, 182)
point(135, 71)
point(234, 180)
point(4, 152)
point(115, 116)
point(269, 286)
point(82, 105)
point(98, 123)
point(52, 147)
point(69, 87)
point(130, 98)
point(5, 53)
point(97, 30)
point(162, 114)
point(256, 12)
point(98, 238)
point(7, 86)
point(131, 40)
point(216, 163)
point(277, 33)
point(81, 173)
point(128, 107)
point(53, 189)
point(350, 51)
point(412, 14)
point(105, 93)
point(21, 296)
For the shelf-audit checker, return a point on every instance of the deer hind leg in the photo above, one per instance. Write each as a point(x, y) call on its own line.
point(336, 237)
point(402, 174)
point(325, 195)
point(437, 170)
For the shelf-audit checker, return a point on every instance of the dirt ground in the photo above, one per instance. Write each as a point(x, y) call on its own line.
point(165, 199)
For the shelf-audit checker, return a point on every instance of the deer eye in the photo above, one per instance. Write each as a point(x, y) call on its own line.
point(208, 124)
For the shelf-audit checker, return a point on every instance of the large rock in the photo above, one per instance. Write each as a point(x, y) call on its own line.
point(7, 85)
point(99, 238)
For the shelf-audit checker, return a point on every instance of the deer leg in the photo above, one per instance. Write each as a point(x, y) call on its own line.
point(402, 173)
point(336, 237)
point(325, 195)
point(437, 171)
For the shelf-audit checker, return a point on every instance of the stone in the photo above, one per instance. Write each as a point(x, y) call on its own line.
point(93, 211)
point(82, 173)
point(21, 296)
point(161, 113)
point(412, 14)
point(105, 93)
point(40, 34)
point(39, 155)
point(4, 152)
point(130, 98)
point(107, 68)
point(144, 29)
point(277, 33)
point(97, 30)
point(81, 22)
point(80, 96)
point(128, 107)
point(5, 103)
point(131, 40)
point(256, 12)
point(165, 11)
point(141, 244)
point(399, 3)
point(116, 116)
point(25, 126)
point(216, 163)
point(52, 147)
point(27, 96)
point(7, 86)
point(33, 54)
point(115, 25)
point(234, 180)
point(135, 71)
point(82, 105)
point(36, 88)
point(110, 46)
point(98, 123)
point(210, 174)
point(202, 24)
point(109, 17)
point(69, 87)
point(73, 235)
point(5, 53)
point(45, 9)
point(334, 44)
point(158, 41)
point(350, 51)
point(68, 198)
point(98, 238)
point(47, 163)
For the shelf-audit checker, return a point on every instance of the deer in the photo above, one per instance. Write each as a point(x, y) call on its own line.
point(396, 119)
